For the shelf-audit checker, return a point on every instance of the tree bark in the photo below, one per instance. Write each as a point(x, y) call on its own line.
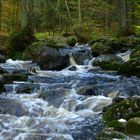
point(79, 12)
point(122, 13)
point(0, 14)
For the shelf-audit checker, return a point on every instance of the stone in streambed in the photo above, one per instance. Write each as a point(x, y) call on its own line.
point(131, 68)
point(2, 70)
point(12, 107)
point(133, 126)
point(108, 62)
point(110, 134)
point(9, 78)
point(47, 58)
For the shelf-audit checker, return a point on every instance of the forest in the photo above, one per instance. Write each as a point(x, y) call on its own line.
point(69, 69)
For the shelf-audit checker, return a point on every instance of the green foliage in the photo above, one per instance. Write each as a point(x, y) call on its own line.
point(137, 30)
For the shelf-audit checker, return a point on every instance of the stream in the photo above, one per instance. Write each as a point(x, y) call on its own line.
point(60, 105)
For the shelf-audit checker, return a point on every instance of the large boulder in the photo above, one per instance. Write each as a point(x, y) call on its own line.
point(131, 67)
point(133, 126)
point(106, 46)
point(108, 62)
point(125, 109)
point(47, 58)
point(18, 42)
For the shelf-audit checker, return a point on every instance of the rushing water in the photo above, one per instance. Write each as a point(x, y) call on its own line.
point(61, 105)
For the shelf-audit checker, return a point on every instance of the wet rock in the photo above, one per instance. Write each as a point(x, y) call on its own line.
point(54, 96)
point(109, 134)
point(80, 107)
point(125, 109)
point(108, 62)
point(81, 56)
point(72, 68)
point(2, 70)
point(2, 89)
point(106, 46)
point(2, 58)
point(133, 126)
point(48, 58)
point(131, 68)
point(12, 107)
point(9, 78)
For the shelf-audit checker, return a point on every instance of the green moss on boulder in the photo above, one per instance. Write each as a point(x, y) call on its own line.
point(131, 68)
point(135, 53)
point(106, 46)
point(122, 109)
point(110, 134)
point(108, 62)
point(133, 126)
point(20, 41)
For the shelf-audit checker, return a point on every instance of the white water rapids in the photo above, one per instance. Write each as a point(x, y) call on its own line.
point(58, 107)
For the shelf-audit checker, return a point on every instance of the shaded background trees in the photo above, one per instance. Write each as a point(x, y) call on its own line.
point(59, 16)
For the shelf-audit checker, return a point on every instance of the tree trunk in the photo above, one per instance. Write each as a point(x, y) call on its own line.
point(31, 15)
point(0, 14)
point(68, 11)
point(79, 12)
point(122, 13)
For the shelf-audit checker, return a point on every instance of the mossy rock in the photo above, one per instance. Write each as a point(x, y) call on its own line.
point(108, 62)
point(60, 42)
point(71, 40)
point(106, 46)
point(110, 134)
point(9, 78)
point(20, 41)
point(131, 41)
point(122, 110)
point(135, 53)
point(133, 126)
point(83, 34)
point(118, 126)
point(131, 68)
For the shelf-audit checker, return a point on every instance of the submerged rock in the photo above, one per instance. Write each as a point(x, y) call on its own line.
point(108, 62)
point(12, 107)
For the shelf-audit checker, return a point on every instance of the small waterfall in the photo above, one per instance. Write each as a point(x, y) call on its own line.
point(72, 60)
point(125, 56)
